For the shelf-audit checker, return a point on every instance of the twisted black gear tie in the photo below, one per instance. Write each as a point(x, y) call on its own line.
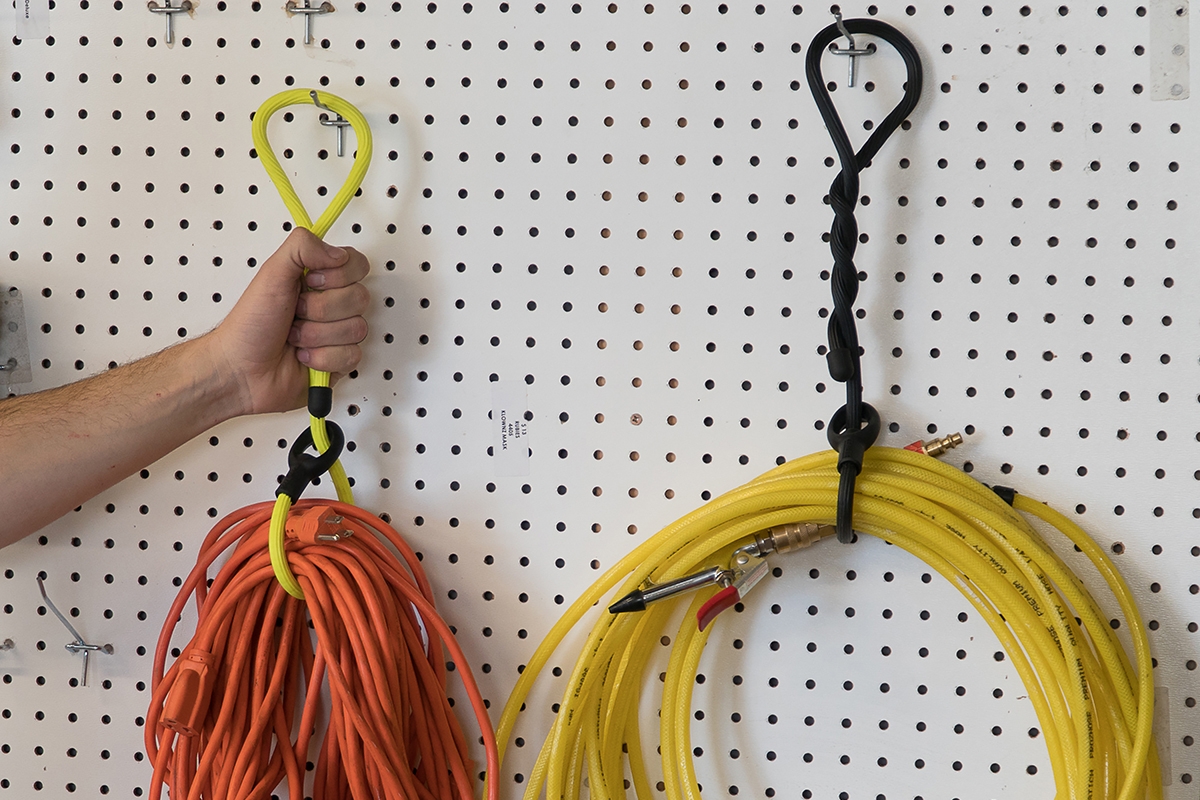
point(303, 468)
point(855, 426)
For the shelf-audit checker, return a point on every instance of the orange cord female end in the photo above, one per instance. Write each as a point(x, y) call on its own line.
point(188, 699)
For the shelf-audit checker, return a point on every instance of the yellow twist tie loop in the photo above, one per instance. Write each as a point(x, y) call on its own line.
point(362, 159)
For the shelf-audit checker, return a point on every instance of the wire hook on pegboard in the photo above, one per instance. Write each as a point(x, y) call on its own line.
point(338, 123)
point(79, 645)
point(292, 7)
point(169, 11)
point(852, 52)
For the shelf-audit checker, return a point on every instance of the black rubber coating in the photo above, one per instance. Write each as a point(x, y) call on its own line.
point(320, 401)
point(848, 425)
point(303, 468)
point(851, 445)
point(1006, 493)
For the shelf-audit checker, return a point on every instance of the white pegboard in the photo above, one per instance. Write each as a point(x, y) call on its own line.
point(621, 205)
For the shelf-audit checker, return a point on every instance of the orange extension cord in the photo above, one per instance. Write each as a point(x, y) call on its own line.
point(224, 720)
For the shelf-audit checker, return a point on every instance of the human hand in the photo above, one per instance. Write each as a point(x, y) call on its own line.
point(276, 332)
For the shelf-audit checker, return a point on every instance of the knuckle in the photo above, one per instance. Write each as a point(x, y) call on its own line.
point(299, 236)
point(343, 358)
point(360, 297)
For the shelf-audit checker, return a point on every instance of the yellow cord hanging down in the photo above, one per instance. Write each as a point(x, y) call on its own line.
point(1093, 704)
point(362, 159)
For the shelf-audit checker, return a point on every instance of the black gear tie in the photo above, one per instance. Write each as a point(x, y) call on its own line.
point(855, 426)
point(303, 468)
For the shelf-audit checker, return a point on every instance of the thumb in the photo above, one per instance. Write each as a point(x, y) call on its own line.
point(308, 252)
point(299, 253)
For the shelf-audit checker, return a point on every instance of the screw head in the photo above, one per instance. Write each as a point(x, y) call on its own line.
point(635, 419)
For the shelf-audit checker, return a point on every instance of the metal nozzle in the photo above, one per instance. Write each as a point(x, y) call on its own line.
point(936, 447)
point(639, 599)
point(795, 536)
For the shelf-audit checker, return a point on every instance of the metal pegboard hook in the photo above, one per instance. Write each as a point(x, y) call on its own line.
point(338, 123)
point(309, 12)
point(852, 51)
point(169, 11)
point(79, 645)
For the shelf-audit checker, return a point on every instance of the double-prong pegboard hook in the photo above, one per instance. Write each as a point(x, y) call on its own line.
point(309, 12)
point(852, 52)
point(169, 11)
point(79, 645)
point(338, 123)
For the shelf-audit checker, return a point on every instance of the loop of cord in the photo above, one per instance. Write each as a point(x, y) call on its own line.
point(237, 711)
point(316, 378)
point(844, 356)
point(1095, 707)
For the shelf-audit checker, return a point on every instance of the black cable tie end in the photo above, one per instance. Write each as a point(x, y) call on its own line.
point(850, 456)
point(1006, 493)
point(841, 364)
point(851, 446)
point(292, 485)
point(320, 401)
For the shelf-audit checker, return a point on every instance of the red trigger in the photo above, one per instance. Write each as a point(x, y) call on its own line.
point(720, 601)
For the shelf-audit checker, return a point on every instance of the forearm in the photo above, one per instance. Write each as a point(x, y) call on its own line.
point(60, 447)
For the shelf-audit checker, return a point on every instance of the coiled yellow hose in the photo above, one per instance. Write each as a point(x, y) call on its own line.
point(358, 170)
point(1094, 705)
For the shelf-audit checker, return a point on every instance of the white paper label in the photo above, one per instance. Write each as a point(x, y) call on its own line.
point(510, 430)
point(33, 18)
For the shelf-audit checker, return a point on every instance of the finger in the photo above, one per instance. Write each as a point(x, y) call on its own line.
point(333, 304)
point(308, 252)
point(339, 359)
point(315, 335)
point(352, 270)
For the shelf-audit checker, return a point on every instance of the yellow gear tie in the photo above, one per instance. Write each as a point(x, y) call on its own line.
point(316, 378)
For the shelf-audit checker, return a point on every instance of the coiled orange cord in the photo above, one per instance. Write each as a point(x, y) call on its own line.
point(236, 712)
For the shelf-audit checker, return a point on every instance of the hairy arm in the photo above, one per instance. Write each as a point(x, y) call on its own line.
point(60, 447)
point(63, 446)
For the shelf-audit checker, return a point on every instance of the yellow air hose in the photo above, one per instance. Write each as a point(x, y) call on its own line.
point(316, 378)
point(1093, 704)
